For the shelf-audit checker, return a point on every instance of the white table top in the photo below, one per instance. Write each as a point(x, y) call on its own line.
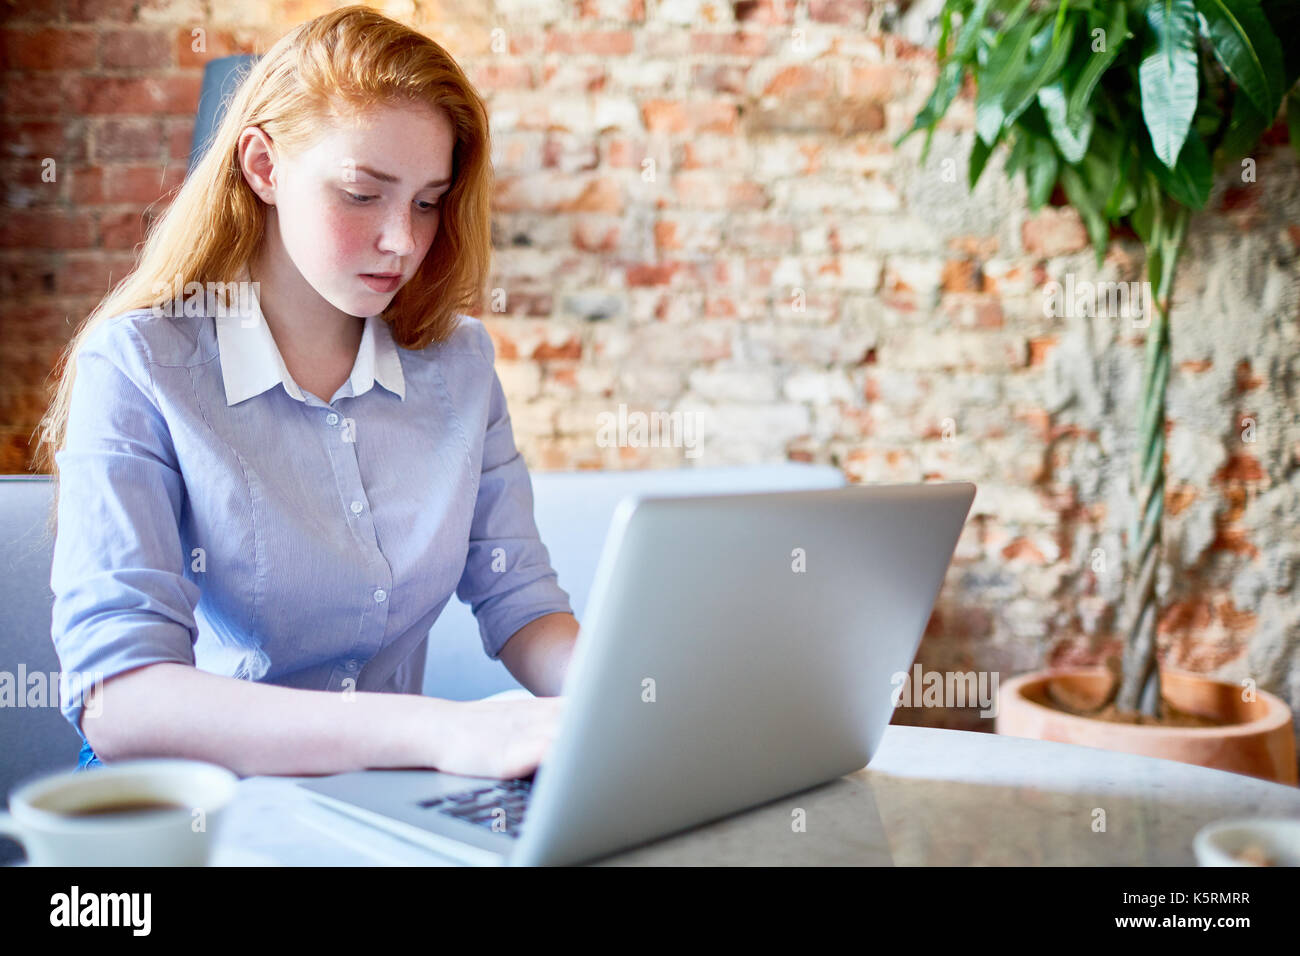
point(929, 797)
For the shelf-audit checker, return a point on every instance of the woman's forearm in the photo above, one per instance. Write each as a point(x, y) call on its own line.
point(176, 710)
point(538, 654)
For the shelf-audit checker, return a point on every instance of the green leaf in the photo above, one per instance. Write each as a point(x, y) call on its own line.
point(1245, 127)
point(1013, 17)
point(1019, 149)
point(1243, 42)
point(1045, 65)
point(1113, 37)
point(1071, 140)
point(1149, 199)
point(1124, 197)
point(951, 73)
point(1190, 180)
point(970, 30)
point(1081, 198)
point(1103, 168)
point(1006, 60)
point(979, 157)
point(941, 97)
point(1168, 77)
point(1040, 172)
point(945, 29)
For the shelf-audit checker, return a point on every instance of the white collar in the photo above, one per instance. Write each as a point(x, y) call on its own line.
point(251, 362)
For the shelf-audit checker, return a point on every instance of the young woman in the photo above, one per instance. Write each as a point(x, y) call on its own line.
point(262, 511)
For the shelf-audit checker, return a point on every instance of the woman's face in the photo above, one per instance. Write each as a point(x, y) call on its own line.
point(363, 199)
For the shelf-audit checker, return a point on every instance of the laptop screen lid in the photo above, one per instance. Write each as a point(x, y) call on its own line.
point(736, 648)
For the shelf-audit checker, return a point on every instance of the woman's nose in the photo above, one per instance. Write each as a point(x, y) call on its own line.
point(398, 237)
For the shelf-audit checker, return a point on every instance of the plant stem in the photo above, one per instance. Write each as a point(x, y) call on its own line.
point(1140, 686)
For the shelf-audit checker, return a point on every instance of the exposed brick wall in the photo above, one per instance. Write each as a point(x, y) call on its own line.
point(672, 176)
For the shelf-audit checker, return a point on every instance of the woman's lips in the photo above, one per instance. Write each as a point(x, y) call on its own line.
point(381, 283)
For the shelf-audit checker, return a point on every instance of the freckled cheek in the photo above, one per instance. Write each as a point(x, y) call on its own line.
point(429, 233)
point(345, 238)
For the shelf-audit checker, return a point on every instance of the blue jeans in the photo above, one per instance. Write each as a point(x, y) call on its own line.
point(87, 760)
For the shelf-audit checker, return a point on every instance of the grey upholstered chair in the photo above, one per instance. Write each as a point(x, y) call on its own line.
point(33, 739)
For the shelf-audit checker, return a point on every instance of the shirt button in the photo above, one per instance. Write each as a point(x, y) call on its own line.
point(352, 665)
point(356, 507)
point(380, 596)
point(332, 418)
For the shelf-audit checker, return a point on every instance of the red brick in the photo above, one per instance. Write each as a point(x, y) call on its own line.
point(765, 12)
point(838, 117)
point(27, 174)
point(719, 77)
point(87, 186)
point(34, 139)
point(503, 76)
point(39, 96)
point(676, 116)
point(179, 133)
point(1241, 467)
point(570, 349)
point(848, 13)
point(1245, 379)
point(960, 275)
point(122, 11)
point(1178, 498)
point(39, 229)
point(666, 235)
point(595, 234)
point(34, 11)
point(651, 274)
point(881, 82)
point(24, 273)
point(1239, 197)
point(972, 310)
point(118, 140)
point(600, 43)
point(746, 43)
point(121, 230)
point(93, 272)
point(135, 49)
point(216, 44)
point(1023, 548)
point(1039, 349)
point(172, 93)
point(141, 185)
point(50, 48)
point(1054, 232)
point(627, 10)
point(798, 80)
point(624, 153)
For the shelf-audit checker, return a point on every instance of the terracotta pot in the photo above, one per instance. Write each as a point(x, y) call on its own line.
point(1259, 743)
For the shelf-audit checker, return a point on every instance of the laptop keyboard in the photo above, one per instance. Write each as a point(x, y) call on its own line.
point(480, 806)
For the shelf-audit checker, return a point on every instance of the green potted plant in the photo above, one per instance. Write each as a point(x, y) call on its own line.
point(1127, 109)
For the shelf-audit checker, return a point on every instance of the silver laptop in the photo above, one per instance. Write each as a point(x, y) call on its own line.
point(735, 649)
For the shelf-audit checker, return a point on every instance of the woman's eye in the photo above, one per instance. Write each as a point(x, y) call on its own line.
point(361, 200)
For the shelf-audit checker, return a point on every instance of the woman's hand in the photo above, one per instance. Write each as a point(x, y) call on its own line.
point(503, 739)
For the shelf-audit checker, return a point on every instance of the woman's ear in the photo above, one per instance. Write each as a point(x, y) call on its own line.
point(257, 161)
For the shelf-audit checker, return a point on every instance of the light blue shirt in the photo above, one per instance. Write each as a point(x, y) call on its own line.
point(212, 512)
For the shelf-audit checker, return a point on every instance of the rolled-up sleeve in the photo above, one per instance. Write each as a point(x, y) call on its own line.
point(121, 599)
point(508, 580)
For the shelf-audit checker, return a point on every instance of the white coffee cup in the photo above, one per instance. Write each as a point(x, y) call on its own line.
point(77, 818)
point(1239, 842)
